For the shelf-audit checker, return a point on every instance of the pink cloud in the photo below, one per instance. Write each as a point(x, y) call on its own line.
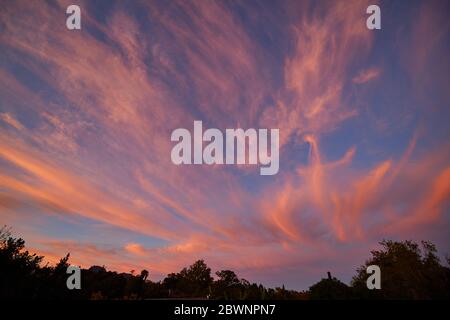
point(100, 149)
point(367, 75)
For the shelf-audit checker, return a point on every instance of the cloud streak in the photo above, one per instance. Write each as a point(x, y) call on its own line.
point(86, 117)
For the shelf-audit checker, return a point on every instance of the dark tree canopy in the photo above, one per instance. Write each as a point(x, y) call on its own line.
point(408, 272)
point(329, 289)
point(194, 281)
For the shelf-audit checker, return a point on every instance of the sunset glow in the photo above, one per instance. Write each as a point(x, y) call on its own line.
point(86, 118)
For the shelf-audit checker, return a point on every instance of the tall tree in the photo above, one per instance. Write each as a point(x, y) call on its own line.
point(407, 272)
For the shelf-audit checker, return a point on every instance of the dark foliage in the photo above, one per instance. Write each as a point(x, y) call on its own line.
point(330, 289)
point(408, 273)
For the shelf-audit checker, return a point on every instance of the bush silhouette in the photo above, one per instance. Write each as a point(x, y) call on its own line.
point(407, 273)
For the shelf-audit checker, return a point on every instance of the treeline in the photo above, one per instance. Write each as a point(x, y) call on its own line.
point(408, 272)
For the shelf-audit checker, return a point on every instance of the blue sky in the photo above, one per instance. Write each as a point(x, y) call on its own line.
point(86, 118)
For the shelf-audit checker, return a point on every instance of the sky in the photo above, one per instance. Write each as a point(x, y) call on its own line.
point(86, 118)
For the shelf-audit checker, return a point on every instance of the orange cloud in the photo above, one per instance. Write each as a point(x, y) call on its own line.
point(135, 248)
point(93, 139)
point(6, 117)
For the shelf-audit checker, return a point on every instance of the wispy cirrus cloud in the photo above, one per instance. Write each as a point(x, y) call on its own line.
point(86, 117)
point(367, 75)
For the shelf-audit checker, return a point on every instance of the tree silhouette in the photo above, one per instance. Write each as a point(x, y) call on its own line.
point(194, 281)
point(330, 289)
point(406, 272)
point(18, 267)
point(144, 274)
point(228, 286)
point(228, 278)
